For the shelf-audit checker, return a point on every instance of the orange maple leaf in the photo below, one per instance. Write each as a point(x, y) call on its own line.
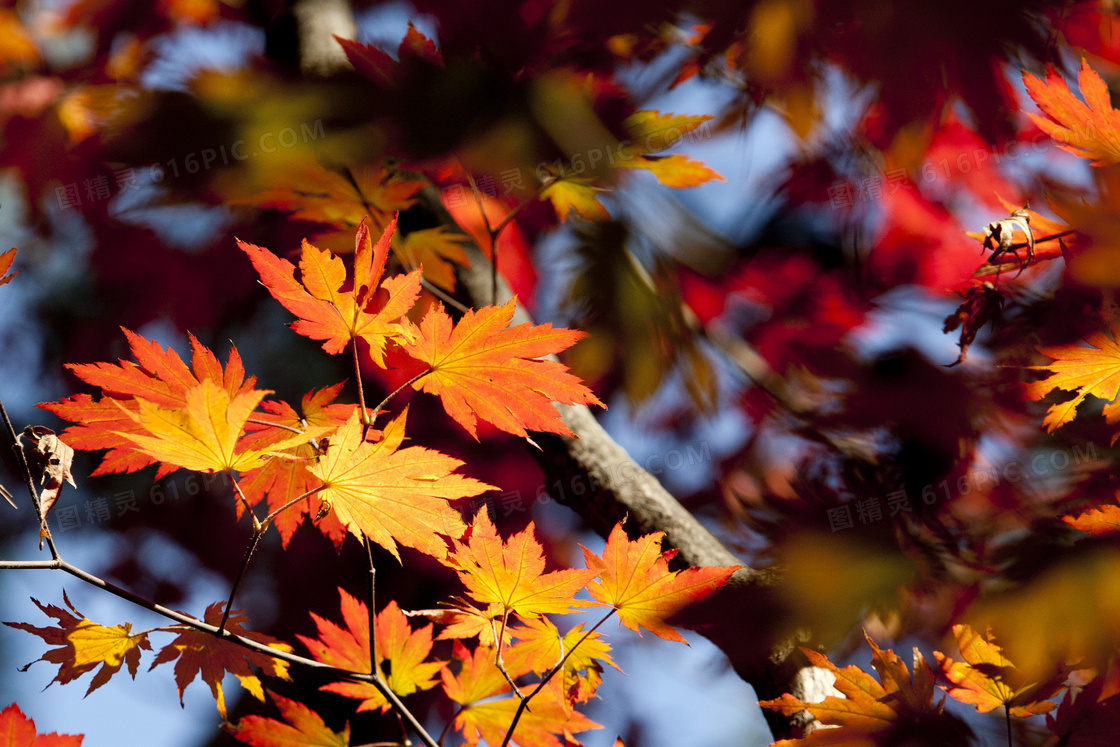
point(281, 480)
point(17, 730)
point(85, 645)
point(197, 653)
point(651, 132)
point(393, 495)
point(204, 435)
point(479, 368)
point(1098, 521)
point(159, 377)
point(329, 313)
point(1089, 129)
point(403, 649)
point(511, 574)
point(304, 727)
point(6, 260)
point(1085, 370)
point(342, 198)
point(484, 718)
point(985, 678)
point(897, 710)
point(637, 582)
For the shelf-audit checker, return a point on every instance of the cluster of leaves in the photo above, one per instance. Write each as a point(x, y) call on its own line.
point(330, 463)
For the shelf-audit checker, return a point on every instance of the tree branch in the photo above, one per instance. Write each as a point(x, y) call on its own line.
point(248, 643)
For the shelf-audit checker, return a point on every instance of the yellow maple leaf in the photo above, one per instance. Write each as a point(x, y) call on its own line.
point(203, 437)
point(1084, 370)
point(393, 495)
point(83, 645)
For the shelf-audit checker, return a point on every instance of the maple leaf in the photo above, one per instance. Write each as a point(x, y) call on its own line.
point(160, 378)
point(393, 495)
point(984, 678)
point(1084, 370)
point(282, 480)
point(17, 730)
point(85, 645)
point(6, 260)
point(465, 621)
point(637, 582)
point(332, 315)
point(481, 718)
point(897, 709)
point(540, 646)
point(303, 727)
point(204, 436)
point(436, 250)
point(1089, 129)
point(197, 653)
point(481, 369)
point(403, 649)
point(511, 574)
point(568, 193)
point(341, 198)
point(652, 132)
point(1098, 521)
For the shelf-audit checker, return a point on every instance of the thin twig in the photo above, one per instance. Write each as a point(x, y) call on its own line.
point(275, 425)
point(240, 575)
point(30, 481)
point(501, 665)
point(268, 519)
point(191, 622)
point(374, 667)
point(524, 704)
point(442, 295)
point(397, 391)
point(245, 503)
point(361, 390)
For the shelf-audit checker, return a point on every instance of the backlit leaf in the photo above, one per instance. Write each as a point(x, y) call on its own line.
point(199, 654)
point(898, 709)
point(402, 653)
point(304, 727)
point(6, 260)
point(636, 581)
point(480, 368)
point(1090, 128)
point(204, 436)
point(327, 312)
point(16, 730)
point(1085, 370)
point(393, 496)
point(85, 645)
point(160, 378)
point(986, 678)
point(511, 574)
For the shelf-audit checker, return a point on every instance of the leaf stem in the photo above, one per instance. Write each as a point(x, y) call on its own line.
point(443, 296)
point(375, 668)
point(397, 391)
point(255, 421)
point(1007, 717)
point(257, 527)
point(540, 686)
point(268, 519)
point(240, 575)
point(30, 482)
point(248, 643)
point(361, 389)
point(498, 662)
